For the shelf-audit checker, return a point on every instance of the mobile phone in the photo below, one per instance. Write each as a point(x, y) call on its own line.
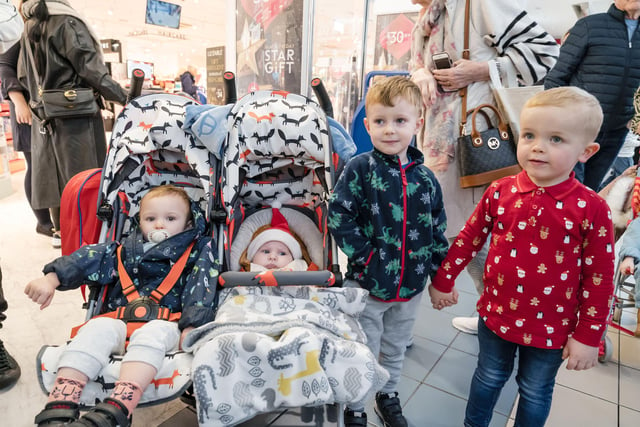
point(441, 60)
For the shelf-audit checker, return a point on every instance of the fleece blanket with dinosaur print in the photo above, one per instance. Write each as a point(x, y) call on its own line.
point(280, 347)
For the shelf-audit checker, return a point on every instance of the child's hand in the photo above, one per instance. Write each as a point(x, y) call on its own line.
point(627, 266)
point(440, 300)
point(184, 333)
point(41, 290)
point(580, 356)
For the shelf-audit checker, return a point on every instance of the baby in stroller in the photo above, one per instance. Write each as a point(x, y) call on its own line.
point(280, 339)
point(159, 276)
point(275, 247)
point(280, 346)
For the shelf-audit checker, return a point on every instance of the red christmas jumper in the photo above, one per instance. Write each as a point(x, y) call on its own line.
point(549, 272)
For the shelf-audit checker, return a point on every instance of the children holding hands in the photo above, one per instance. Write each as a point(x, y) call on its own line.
point(549, 274)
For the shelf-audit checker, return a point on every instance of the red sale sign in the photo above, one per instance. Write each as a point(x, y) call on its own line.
point(395, 38)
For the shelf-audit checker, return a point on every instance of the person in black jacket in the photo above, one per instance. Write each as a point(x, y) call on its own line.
point(188, 82)
point(67, 55)
point(20, 117)
point(10, 29)
point(601, 55)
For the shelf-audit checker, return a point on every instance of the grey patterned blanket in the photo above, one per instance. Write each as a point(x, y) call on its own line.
point(276, 347)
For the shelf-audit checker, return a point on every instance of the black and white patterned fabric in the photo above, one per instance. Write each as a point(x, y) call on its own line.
point(149, 146)
point(280, 141)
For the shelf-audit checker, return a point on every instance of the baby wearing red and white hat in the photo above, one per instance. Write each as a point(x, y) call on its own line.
point(275, 247)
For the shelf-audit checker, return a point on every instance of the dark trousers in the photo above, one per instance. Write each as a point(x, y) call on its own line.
point(593, 172)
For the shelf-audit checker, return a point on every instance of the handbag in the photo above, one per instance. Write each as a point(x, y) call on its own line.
point(61, 103)
point(488, 155)
point(510, 98)
point(68, 103)
point(482, 156)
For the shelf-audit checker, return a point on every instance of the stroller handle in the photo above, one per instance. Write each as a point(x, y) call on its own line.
point(231, 279)
point(137, 79)
point(230, 95)
point(322, 95)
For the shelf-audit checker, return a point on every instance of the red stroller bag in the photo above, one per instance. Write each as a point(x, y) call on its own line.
point(79, 224)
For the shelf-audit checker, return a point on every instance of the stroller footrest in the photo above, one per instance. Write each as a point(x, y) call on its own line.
point(172, 379)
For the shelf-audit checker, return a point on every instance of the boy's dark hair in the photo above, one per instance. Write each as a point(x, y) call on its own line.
point(386, 90)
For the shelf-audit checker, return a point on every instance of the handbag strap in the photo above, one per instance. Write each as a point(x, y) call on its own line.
point(502, 125)
point(465, 55)
point(32, 61)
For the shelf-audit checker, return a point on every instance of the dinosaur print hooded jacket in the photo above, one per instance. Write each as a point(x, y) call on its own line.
point(389, 220)
point(193, 294)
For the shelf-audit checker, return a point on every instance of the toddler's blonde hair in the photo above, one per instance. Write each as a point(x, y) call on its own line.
point(572, 97)
point(386, 90)
point(169, 190)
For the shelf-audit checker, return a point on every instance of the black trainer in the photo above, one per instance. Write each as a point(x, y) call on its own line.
point(389, 410)
point(109, 413)
point(45, 230)
point(58, 413)
point(354, 419)
point(9, 369)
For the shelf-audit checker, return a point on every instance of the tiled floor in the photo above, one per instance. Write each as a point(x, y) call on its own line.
point(437, 370)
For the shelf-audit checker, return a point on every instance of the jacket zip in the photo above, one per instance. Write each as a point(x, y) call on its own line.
point(625, 76)
point(404, 224)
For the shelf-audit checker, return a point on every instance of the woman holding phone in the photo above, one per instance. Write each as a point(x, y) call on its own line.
point(500, 31)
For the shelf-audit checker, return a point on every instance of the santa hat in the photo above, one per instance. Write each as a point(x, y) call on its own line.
point(278, 232)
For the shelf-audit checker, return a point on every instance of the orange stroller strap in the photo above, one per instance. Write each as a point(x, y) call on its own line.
point(129, 289)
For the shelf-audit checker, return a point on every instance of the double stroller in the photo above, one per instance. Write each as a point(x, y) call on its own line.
point(271, 345)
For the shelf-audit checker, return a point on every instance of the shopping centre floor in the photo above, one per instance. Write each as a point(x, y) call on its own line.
point(437, 369)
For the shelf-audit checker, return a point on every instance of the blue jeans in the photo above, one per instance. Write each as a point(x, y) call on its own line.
point(537, 369)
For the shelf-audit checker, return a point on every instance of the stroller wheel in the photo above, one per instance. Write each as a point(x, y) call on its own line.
point(606, 350)
point(332, 412)
point(306, 414)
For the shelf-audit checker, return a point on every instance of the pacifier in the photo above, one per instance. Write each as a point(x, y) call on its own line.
point(157, 236)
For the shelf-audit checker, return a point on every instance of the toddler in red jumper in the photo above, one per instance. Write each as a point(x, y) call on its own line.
point(549, 273)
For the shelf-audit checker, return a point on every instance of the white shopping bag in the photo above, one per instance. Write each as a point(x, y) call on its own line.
point(510, 98)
